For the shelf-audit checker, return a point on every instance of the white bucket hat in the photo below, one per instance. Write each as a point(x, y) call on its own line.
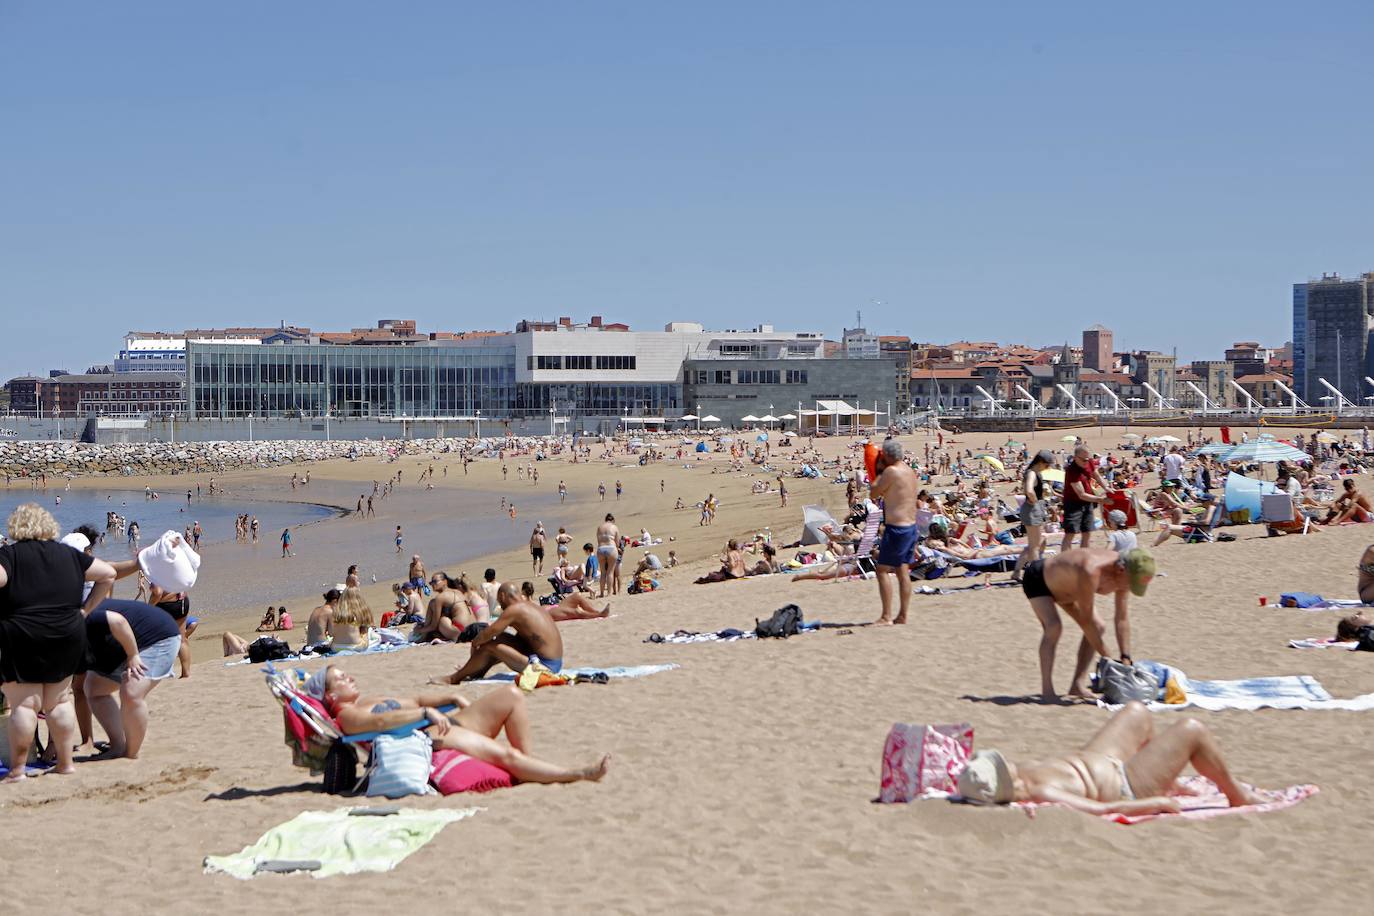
point(77, 541)
point(170, 563)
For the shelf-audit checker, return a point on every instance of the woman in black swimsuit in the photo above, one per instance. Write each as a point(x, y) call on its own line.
point(1034, 511)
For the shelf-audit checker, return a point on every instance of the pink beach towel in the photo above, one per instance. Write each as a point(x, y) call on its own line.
point(1202, 800)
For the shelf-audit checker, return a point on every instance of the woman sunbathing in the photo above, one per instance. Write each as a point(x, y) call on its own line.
point(471, 729)
point(573, 606)
point(939, 540)
point(1125, 769)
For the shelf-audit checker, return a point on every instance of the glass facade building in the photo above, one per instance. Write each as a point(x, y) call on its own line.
point(1300, 339)
point(235, 380)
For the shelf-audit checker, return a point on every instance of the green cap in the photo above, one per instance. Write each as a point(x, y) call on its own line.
point(1140, 569)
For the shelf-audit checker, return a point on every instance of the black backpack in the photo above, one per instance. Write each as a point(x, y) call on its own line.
point(786, 621)
point(1366, 639)
point(267, 649)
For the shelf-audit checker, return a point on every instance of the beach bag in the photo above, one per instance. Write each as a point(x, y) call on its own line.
point(923, 758)
point(455, 771)
point(1299, 600)
point(267, 649)
point(1120, 683)
point(400, 766)
point(786, 621)
point(341, 769)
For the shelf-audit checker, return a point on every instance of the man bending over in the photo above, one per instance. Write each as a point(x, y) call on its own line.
point(1125, 769)
point(1071, 581)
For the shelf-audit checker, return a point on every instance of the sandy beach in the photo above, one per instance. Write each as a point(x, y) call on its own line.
point(744, 780)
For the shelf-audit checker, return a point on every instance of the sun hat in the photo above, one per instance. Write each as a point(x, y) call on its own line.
point(1140, 569)
point(170, 563)
point(77, 541)
point(987, 779)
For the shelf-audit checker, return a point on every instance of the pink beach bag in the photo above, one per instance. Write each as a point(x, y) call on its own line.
point(921, 758)
point(454, 771)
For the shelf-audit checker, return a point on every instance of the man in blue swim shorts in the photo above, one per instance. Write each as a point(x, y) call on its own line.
point(532, 636)
point(895, 485)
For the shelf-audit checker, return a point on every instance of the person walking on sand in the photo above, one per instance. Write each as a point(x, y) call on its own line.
point(285, 543)
point(896, 486)
point(608, 556)
point(1071, 581)
point(537, 539)
point(400, 539)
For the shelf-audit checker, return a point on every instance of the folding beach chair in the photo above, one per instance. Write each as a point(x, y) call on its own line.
point(317, 742)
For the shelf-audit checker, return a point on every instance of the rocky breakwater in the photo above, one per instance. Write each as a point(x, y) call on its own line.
point(75, 459)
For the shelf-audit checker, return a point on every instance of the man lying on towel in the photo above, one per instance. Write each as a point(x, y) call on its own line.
point(534, 636)
point(471, 729)
point(1071, 581)
point(1125, 769)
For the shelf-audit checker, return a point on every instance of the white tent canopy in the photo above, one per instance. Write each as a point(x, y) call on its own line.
point(749, 418)
point(710, 419)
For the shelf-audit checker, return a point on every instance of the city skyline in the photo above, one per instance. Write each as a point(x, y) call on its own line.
point(941, 171)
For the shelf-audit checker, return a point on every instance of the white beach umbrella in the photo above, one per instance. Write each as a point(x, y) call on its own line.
point(749, 418)
point(710, 419)
point(688, 416)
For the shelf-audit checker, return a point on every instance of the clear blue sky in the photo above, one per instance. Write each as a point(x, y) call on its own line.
point(1015, 171)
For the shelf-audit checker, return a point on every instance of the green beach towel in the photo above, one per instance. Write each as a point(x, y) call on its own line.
point(341, 843)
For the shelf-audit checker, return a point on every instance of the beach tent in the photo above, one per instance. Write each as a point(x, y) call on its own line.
point(813, 518)
point(1246, 493)
point(701, 447)
point(761, 437)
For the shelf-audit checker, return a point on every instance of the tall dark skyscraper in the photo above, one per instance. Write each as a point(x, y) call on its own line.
point(1335, 338)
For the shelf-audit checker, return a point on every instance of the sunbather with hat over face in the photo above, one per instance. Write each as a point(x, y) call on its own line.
point(1125, 769)
point(471, 729)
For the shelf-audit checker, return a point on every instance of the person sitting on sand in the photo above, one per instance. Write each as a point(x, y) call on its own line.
point(319, 626)
point(767, 565)
point(269, 620)
point(447, 613)
point(472, 598)
point(1350, 506)
point(1125, 769)
point(472, 729)
point(731, 565)
point(1071, 581)
point(351, 620)
point(573, 606)
point(534, 637)
point(284, 621)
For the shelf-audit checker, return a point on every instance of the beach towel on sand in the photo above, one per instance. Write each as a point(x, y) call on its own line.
point(1297, 691)
point(508, 677)
point(1201, 800)
point(1327, 643)
point(341, 843)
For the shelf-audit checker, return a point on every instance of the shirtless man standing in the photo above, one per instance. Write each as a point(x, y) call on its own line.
point(608, 555)
point(537, 540)
point(534, 635)
point(472, 728)
point(1125, 769)
point(1071, 581)
point(896, 486)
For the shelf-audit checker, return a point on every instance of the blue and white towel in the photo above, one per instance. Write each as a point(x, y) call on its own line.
point(1298, 691)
